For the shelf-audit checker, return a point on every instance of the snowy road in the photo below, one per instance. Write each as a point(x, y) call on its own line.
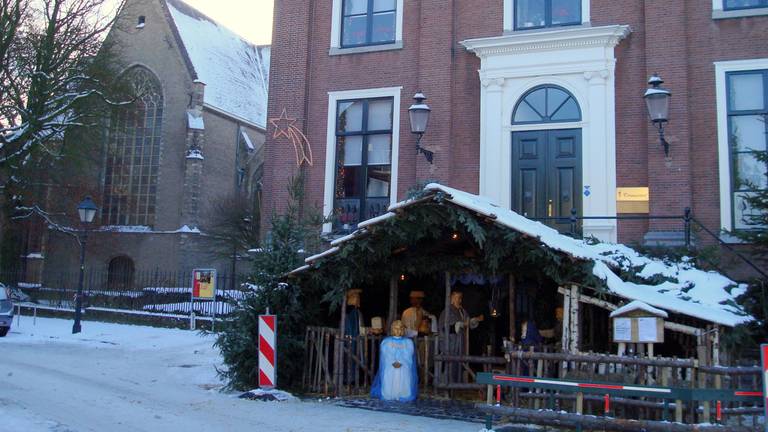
point(119, 378)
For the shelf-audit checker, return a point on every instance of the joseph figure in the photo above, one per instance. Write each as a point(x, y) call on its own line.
point(459, 323)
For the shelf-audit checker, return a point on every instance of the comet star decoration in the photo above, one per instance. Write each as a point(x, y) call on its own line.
point(284, 128)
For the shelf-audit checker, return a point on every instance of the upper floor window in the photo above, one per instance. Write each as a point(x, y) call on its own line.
point(747, 106)
point(363, 160)
point(368, 22)
point(532, 14)
point(744, 4)
point(133, 154)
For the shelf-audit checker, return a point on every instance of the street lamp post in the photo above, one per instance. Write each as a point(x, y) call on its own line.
point(86, 210)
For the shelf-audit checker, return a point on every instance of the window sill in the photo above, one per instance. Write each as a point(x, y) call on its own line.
point(547, 29)
point(739, 13)
point(334, 51)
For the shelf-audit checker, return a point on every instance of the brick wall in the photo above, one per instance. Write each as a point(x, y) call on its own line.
point(678, 40)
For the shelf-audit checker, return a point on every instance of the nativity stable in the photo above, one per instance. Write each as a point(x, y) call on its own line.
point(480, 288)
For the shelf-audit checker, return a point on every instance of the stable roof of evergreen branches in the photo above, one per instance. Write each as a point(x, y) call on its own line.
point(442, 229)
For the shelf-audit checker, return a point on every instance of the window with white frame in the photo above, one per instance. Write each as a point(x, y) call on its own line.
point(368, 22)
point(533, 14)
point(363, 160)
point(744, 4)
point(747, 109)
point(359, 26)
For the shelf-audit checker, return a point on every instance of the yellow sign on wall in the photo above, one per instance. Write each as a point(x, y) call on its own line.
point(632, 200)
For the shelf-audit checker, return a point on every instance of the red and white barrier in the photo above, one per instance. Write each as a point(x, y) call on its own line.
point(267, 351)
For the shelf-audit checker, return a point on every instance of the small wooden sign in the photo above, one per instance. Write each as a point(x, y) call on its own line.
point(638, 322)
point(638, 330)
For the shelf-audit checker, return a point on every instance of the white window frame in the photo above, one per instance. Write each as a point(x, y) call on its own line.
point(724, 155)
point(719, 12)
point(509, 15)
point(330, 146)
point(336, 32)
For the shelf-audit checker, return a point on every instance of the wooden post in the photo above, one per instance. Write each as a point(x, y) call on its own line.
point(338, 352)
point(566, 342)
point(575, 319)
point(579, 403)
point(445, 324)
point(703, 356)
point(392, 316)
point(512, 308)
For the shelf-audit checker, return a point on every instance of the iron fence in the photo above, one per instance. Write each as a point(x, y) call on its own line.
point(149, 292)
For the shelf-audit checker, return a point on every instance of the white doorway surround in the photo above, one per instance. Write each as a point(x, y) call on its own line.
point(579, 59)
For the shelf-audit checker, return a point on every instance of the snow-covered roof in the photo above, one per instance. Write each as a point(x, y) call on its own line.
point(706, 295)
point(235, 71)
point(637, 305)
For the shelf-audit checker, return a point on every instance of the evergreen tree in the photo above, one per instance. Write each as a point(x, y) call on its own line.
point(294, 233)
point(754, 300)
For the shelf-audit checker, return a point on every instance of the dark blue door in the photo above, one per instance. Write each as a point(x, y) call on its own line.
point(546, 175)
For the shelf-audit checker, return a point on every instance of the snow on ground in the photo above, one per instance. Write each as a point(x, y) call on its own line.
point(121, 378)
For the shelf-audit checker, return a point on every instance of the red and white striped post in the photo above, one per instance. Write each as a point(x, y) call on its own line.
point(267, 351)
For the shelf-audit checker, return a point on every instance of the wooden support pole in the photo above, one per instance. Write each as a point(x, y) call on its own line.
point(575, 320)
point(579, 403)
point(392, 316)
point(447, 375)
point(566, 342)
point(512, 308)
point(338, 355)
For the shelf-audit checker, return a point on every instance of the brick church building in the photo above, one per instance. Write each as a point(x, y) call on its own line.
point(535, 104)
point(194, 138)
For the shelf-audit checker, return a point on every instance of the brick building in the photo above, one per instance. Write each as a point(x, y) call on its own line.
point(193, 138)
point(536, 104)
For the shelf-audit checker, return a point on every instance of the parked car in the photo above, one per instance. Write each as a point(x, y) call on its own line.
point(6, 310)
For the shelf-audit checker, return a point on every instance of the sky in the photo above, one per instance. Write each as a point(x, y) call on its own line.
point(251, 19)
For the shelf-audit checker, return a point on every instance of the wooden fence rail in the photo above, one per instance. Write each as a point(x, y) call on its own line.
point(358, 364)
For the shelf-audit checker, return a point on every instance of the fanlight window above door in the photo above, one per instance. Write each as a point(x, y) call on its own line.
point(546, 104)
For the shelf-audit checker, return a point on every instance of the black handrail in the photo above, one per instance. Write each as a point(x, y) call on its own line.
point(686, 217)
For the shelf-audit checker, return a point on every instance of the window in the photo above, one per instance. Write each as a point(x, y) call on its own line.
point(747, 94)
point(368, 22)
point(133, 154)
point(744, 4)
point(363, 160)
point(532, 14)
point(546, 104)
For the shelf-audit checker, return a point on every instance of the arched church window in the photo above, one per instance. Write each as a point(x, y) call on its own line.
point(133, 153)
point(546, 104)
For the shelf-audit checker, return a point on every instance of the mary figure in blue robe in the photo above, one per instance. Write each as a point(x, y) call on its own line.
point(397, 378)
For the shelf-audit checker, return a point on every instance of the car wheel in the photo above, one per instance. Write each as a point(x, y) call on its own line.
point(4, 331)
